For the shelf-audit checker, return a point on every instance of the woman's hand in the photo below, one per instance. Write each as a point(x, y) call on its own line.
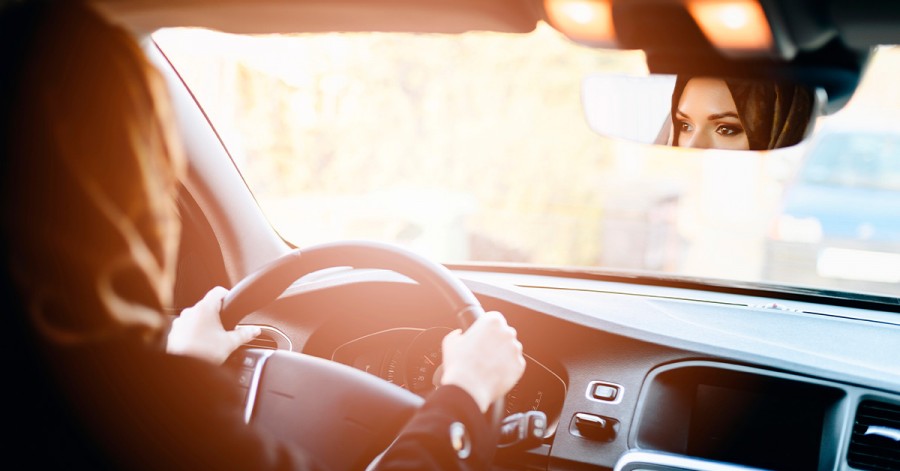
point(198, 331)
point(486, 361)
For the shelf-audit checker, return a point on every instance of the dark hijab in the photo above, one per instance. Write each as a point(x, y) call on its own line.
point(774, 114)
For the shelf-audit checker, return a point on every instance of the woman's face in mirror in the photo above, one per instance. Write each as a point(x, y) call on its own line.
point(707, 117)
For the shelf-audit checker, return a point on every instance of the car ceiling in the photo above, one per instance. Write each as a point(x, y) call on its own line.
point(825, 44)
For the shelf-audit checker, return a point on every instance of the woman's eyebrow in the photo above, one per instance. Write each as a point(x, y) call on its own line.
point(712, 117)
point(727, 114)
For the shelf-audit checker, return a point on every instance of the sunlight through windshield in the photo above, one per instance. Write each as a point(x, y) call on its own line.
point(475, 147)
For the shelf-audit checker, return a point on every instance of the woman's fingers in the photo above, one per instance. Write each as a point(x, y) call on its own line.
point(198, 331)
point(243, 334)
point(486, 360)
point(213, 299)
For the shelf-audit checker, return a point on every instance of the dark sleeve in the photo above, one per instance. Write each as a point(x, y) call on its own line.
point(448, 432)
point(144, 410)
point(212, 421)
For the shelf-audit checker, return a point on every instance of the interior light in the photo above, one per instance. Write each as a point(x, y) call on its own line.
point(586, 21)
point(733, 26)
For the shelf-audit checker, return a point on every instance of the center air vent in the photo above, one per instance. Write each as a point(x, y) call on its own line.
point(270, 339)
point(875, 443)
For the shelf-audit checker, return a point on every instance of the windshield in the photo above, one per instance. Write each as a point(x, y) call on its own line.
point(475, 148)
point(859, 160)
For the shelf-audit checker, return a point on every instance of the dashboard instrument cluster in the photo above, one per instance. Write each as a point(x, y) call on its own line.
point(411, 358)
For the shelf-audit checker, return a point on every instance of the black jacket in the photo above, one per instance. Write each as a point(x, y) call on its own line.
point(119, 406)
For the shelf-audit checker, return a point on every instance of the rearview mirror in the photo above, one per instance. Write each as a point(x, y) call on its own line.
point(701, 112)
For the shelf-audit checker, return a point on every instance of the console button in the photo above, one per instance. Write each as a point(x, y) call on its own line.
point(604, 392)
point(594, 427)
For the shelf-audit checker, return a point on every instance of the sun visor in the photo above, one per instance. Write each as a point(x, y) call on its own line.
point(297, 16)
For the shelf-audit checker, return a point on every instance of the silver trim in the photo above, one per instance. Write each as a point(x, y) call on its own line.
point(618, 399)
point(254, 382)
point(634, 460)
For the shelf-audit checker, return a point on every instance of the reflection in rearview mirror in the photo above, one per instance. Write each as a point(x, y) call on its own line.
point(699, 112)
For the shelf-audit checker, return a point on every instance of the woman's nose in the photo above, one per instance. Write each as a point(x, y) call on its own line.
point(698, 140)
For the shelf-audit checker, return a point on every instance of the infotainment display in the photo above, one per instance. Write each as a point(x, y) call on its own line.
point(771, 429)
point(738, 415)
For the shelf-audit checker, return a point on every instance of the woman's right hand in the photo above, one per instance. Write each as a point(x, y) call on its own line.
point(486, 361)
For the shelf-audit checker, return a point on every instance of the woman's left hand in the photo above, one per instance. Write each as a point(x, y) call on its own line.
point(198, 331)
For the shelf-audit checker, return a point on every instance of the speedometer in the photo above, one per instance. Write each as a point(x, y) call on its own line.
point(412, 358)
point(538, 389)
point(424, 361)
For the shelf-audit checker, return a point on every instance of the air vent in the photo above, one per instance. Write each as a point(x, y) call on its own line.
point(270, 339)
point(875, 443)
point(263, 341)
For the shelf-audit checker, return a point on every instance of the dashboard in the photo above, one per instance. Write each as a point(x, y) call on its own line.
point(635, 377)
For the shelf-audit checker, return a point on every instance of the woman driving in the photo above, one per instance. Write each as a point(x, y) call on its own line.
point(91, 229)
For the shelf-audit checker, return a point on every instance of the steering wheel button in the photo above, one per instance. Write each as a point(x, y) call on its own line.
point(248, 361)
point(245, 376)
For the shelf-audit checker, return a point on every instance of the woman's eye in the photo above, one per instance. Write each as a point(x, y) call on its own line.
point(726, 130)
point(685, 126)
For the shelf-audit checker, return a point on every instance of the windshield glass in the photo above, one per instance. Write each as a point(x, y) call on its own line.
point(475, 148)
point(860, 160)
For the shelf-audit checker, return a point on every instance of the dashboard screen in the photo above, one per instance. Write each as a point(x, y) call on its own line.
point(772, 429)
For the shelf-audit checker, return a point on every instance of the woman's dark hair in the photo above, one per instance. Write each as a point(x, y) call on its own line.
point(90, 165)
point(774, 114)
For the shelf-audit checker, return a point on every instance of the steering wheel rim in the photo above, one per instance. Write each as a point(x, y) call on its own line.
point(263, 286)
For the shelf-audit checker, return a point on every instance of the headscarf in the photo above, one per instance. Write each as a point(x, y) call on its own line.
point(774, 114)
point(89, 176)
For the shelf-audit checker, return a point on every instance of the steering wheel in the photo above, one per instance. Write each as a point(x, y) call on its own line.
point(358, 406)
